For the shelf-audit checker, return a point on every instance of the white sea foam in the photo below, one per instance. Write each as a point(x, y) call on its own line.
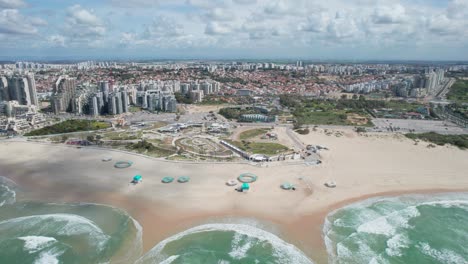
point(443, 255)
point(396, 244)
point(448, 203)
point(58, 224)
point(239, 246)
point(388, 224)
point(36, 243)
point(7, 195)
point(342, 251)
point(169, 260)
point(131, 254)
point(287, 253)
point(387, 216)
point(48, 257)
point(377, 226)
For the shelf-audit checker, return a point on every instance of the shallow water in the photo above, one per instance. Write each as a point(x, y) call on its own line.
point(224, 243)
point(35, 232)
point(405, 229)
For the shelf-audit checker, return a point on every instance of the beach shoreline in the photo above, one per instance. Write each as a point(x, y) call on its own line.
point(48, 173)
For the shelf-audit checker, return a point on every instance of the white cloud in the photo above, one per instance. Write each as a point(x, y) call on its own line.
point(239, 24)
point(442, 25)
point(12, 4)
point(162, 26)
point(317, 23)
point(57, 40)
point(216, 28)
point(82, 23)
point(13, 22)
point(81, 16)
point(458, 9)
point(220, 14)
point(389, 15)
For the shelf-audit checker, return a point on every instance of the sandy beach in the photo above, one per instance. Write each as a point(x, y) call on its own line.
point(362, 166)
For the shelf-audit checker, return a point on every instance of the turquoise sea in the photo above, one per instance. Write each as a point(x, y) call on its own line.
point(405, 229)
point(224, 243)
point(35, 232)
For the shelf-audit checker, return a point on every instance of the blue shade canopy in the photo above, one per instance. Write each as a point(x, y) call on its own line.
point(137, 178)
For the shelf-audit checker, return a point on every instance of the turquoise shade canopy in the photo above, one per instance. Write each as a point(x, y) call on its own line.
point(137, 178)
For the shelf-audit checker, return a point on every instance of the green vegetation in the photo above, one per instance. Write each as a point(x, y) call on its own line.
point(459, 110)
point(183, 99)
point(459, 92)
point(147, 148)
point(253, 133)
point(235, 113)
point(336, 112)
point(306, 116)
point(212, 100)
point(260, 147)
point(304, 131)
point(134, 109)
point(69, 126)
point(460, 141)
point(122, 136)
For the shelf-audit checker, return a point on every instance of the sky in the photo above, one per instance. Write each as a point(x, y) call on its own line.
point(230, 29)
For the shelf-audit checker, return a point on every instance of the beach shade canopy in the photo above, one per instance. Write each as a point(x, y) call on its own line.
point(231, 182)
point(137, 178)
point(245, 186)
point(287, 186)
point(123, 164)
point(247, 177)
point(183, 179)
point(167, 180)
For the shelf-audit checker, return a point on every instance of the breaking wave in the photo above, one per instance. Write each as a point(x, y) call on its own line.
point(224, 243)
point(411, 228)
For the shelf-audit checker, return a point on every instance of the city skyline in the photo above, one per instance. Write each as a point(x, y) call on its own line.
point(331, 30)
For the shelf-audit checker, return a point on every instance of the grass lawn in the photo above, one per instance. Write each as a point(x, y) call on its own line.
point(253, 133)
point(121, 136)
point(323, 118)
point(459, 92)
point(148, 148)
point(260, 147)
point(69, 126)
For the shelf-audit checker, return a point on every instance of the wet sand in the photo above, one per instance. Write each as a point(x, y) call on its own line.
point(361, 166)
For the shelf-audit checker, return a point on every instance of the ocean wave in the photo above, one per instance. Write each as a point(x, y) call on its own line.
point(49, 257)
point(36, 243)
point(55, 225)
point(7, 191)
point(354, 233)
point(443, 255)
point(136, 246)
point(240, 245)
point(286, 253)
point(169, 260)
point(396, 244)
point(388, 224)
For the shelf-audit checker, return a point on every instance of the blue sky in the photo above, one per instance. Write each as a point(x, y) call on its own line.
point(229, 29)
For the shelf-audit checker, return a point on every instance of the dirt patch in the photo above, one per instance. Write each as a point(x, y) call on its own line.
point(356, 119)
